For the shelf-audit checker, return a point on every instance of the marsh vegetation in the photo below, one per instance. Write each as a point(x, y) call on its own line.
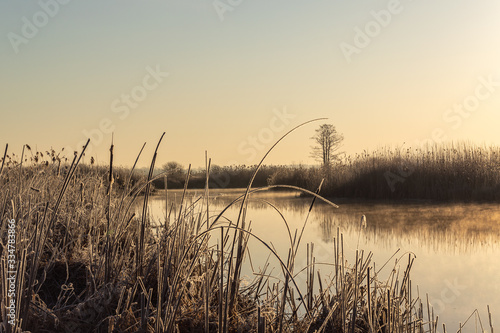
point(89, 261)
point(461, 172)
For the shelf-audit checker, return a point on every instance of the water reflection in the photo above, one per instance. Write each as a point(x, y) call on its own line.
point(450, 228)
point(440, 228)
point(456, 245)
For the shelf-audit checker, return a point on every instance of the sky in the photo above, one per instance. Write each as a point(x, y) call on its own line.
point(231, 77)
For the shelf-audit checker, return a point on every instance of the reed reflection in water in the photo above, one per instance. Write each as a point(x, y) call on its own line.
point(456, 245)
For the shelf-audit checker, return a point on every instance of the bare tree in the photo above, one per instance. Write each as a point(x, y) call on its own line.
point(327, 143)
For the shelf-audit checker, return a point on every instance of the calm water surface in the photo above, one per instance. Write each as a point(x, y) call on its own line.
point(456, 246)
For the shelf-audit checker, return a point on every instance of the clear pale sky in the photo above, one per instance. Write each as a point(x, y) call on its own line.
point(241, 73)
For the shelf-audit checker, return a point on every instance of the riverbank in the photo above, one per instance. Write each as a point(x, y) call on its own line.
point(88, 262)
point(458, 172)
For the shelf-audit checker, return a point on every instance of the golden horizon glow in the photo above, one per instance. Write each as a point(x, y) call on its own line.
point(93, 69)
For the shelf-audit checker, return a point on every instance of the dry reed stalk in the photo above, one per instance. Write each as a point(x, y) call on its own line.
point(207, 261)
point(3, 159)
point(108, 250)
point(142, 225)
point(489, 319)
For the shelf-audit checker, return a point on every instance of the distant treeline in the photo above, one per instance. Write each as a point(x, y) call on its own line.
point(235, 176)
point(454, 172)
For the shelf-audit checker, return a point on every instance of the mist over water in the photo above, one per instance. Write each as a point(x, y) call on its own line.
point(455, 246)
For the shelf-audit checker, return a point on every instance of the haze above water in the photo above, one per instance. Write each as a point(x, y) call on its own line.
point(456, 246)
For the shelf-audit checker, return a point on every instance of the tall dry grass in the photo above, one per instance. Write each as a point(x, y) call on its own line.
point(87, 263)
point(454, 172)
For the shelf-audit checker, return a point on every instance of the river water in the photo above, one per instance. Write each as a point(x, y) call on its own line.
point(456, 246)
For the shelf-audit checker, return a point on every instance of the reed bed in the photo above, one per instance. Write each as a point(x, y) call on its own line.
point(87, 263)
point(458, 171)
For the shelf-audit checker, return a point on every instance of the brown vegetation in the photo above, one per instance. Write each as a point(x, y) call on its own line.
point(454, 172)
point(87, 263)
